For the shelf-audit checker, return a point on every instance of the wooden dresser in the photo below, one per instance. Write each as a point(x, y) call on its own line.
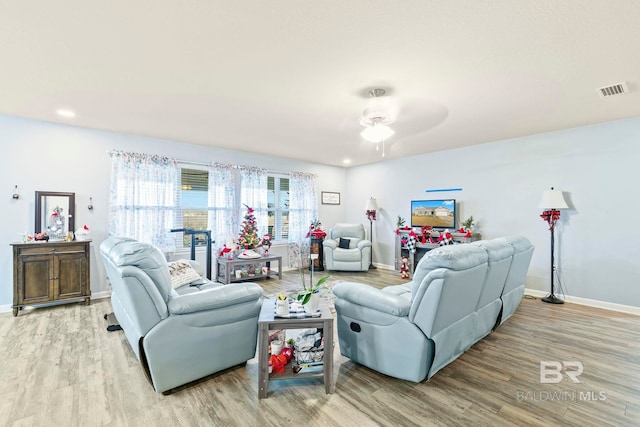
point(45, 272)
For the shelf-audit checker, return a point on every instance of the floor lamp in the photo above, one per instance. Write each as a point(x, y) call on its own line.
point(552, 200)
point(371, 208)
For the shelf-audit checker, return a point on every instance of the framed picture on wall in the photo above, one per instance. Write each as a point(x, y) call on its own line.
point(330, 198)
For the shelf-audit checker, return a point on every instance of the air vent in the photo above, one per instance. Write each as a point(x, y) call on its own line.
point(616, 89)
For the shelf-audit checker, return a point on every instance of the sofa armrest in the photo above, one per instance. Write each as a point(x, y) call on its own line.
point(364, 244)
point(211, 299)
point(370, 297)
point(329, 243)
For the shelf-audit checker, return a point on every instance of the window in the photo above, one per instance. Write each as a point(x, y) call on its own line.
point(278, 207)
point(144, 198)
point(193, 211)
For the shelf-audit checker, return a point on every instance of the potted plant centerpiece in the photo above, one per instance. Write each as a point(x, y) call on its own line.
point(309, 296)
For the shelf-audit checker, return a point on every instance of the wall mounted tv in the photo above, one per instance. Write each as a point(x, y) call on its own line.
point(439, 214)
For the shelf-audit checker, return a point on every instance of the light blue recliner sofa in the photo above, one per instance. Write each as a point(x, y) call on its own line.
point(181, 336)
point(455, 298)
point(515, 284)
point(355, 257)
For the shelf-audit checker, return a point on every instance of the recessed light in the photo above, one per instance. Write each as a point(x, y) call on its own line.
point(346, 161)
point(62, 112)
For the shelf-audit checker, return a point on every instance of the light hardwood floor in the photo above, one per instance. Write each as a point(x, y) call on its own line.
point(60, 367)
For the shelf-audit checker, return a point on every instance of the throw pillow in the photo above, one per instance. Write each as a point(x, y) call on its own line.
point(182, 273)
point(344, 243)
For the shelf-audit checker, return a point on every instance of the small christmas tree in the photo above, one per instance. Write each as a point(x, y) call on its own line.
point(248, 238)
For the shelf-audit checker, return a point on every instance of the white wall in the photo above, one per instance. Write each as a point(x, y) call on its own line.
point(502, 183)
point(50, 157)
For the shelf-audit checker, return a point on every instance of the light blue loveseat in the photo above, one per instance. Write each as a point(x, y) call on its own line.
point(181, 336)
point(458, 295)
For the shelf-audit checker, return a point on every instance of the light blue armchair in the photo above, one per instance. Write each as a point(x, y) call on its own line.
point(178, 337)
point(353, 255)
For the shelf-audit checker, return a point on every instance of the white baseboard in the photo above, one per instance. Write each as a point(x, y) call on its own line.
point(588, 302)
point(100, 295)
point(384, 266)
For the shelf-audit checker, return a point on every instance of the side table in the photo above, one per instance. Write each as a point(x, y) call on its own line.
point(267, 321)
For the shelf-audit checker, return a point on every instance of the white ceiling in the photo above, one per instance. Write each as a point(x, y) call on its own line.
point(289, 77)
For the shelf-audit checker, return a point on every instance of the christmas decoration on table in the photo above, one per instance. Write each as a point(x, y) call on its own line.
point(446, 238)
point(467, 224)
point(225, 251)
point(56, 223)
point(426, 230)
point(467, 233)
point(39, 237)
point(411, 242)
point(404, 268)
point(266, 243)
point(315, 230)
point(400, 225)
point(83, 233)
point(248, 238)
point(249, 254)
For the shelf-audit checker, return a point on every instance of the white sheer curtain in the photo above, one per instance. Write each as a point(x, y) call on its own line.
point(144, 198)
point(222, 197)
point(253, 193)
point(302, 211)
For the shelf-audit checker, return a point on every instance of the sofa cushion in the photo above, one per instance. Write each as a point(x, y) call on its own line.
point(182, 273)
point(344, 243)
point(347, 255)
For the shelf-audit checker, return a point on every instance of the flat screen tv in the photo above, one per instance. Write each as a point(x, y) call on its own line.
point(439, 214)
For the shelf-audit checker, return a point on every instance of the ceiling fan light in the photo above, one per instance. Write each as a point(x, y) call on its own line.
point(377, 133)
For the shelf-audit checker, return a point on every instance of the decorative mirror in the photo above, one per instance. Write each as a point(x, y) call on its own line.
point(55, 213)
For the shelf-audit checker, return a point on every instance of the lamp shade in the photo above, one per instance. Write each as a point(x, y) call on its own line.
point(372, 205)
point(553, 199)
point(377, 132)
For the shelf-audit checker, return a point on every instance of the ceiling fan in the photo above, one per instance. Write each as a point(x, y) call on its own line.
point(384, 123)
point(377, 117)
